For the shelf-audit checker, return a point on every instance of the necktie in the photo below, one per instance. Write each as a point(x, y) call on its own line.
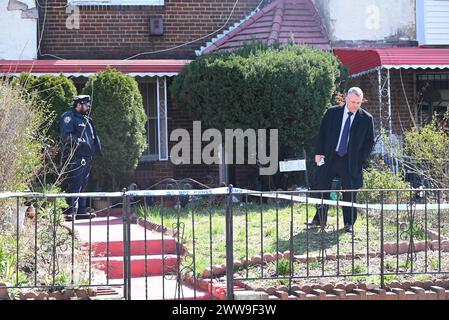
point(343, 147)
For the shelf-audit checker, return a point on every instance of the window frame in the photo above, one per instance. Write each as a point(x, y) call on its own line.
point(422, 108)
point(161, 106)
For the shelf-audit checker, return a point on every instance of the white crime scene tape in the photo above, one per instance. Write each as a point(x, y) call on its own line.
point(310, 200)
point(227, 191)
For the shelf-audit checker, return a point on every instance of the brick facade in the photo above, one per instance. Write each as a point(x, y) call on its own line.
point(401, 92)
point(404, 98)
point(117, 32)
point(148, 173)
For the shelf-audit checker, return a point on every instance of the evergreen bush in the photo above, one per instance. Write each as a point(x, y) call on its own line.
point(119, 117)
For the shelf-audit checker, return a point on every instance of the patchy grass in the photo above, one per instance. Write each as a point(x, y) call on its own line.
point(264, 228)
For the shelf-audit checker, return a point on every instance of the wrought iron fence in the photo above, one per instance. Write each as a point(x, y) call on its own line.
point(40, 250)
point(398, 235)
point(184, 240)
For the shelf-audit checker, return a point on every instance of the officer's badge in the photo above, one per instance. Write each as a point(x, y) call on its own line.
point(67, 119)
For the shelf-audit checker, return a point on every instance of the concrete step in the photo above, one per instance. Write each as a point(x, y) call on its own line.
point(153, 247)
point(159, 288)
point(141, 265)
point(99, 231)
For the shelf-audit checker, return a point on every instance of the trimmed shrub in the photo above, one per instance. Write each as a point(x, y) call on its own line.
point(261, 87)
point(119, 117)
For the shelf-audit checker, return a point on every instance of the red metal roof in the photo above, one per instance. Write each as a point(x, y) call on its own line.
point(363, 60)
point(281, 21)
point(88, 67)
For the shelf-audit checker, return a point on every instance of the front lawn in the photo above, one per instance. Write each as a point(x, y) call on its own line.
point(204, 231)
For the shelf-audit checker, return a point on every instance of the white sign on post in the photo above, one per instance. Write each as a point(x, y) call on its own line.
point(292, 165)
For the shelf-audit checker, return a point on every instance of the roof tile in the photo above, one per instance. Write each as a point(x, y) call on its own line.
point(281, 21)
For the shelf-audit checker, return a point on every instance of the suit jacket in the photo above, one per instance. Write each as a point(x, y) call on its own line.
point(360, 145)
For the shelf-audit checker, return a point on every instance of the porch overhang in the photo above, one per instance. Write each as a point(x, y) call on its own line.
point(367, 60)
point(85, 68)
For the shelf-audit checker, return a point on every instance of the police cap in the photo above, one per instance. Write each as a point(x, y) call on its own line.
point(82, 99)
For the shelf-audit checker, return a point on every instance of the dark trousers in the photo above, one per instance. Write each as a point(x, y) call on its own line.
point(78, 176)
point(338, 168)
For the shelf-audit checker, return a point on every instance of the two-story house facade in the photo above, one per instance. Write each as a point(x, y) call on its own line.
point(392, 49)
point(148, 39)
point(397, 51)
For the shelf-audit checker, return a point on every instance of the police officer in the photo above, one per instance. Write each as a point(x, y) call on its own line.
point(80, 143)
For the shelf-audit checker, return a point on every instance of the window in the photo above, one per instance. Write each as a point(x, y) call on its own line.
point(154, 94)
point(433, 88)
point(432, 22)
point(117, 2)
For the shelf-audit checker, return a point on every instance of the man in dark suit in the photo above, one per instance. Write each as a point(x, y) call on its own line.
point(343, 146)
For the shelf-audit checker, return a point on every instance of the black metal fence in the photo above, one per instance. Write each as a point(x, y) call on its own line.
point(181, 240)
point(42, 251)
point(398, 235)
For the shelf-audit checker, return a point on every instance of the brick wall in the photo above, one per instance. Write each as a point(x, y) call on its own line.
point(117, 32)
point(149, 173)
point(401, 119)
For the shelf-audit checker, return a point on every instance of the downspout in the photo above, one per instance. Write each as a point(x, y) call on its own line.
point(390, 126)
point(379, 79)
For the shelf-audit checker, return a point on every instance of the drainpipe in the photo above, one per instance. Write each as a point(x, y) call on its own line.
point(390, 126)
point(379, 79)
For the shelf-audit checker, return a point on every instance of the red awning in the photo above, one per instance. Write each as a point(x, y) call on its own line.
point(75, 68)
point(361, 61)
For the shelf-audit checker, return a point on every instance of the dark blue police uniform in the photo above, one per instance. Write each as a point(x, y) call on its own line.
point(80, 143)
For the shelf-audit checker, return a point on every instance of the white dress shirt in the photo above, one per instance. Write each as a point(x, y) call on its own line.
point(343, 121)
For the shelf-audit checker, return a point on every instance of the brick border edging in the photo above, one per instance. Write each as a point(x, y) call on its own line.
point(158, 228)
point(389, 249)
point(413, 293)
point(418, 290)
point(407, 290)
point(153, 226)
point(67, 294)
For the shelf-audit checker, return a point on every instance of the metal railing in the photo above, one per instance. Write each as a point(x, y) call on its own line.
point(200, 243)
point(399, 235)
point(40, 250)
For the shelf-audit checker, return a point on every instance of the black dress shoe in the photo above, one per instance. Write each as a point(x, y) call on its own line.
point(349, 228)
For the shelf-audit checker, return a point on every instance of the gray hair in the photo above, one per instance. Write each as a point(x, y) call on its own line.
point(355, 91)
